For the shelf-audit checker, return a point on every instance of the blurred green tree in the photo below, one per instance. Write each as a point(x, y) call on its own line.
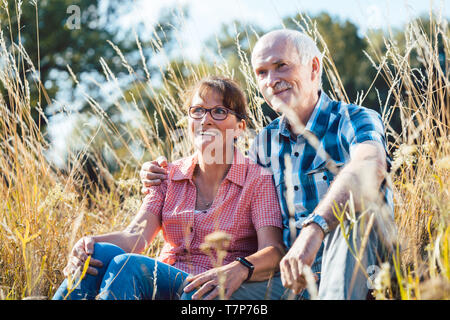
point(60, 33)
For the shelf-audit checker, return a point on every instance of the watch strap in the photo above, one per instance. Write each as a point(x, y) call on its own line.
point(248, 265)
point(319, 220)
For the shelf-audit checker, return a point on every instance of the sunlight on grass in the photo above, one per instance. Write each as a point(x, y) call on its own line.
point(46, 208)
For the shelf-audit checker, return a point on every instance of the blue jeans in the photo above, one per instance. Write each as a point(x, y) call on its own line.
point(341, 278)
point(126, 276)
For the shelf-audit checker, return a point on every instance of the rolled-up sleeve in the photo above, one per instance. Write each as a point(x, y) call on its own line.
point(363, 125)
point(265, 207)
point(153, 202)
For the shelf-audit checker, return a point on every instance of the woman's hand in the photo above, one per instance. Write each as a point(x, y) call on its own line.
point(234, 274)
point(80, 252)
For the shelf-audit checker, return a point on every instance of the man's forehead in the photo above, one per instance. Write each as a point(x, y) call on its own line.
point(272, 52)
point(261, 58)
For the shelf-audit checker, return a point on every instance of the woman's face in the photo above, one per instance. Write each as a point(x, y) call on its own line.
point(214, 137)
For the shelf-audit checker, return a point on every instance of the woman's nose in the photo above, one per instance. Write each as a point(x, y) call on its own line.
point(207, 118)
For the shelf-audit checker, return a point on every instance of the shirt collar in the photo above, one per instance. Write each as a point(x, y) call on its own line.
point(318, 121)
point(236, 174)
point(185, 169)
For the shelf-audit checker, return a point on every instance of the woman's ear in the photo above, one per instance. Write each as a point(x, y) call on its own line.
point(242, 125)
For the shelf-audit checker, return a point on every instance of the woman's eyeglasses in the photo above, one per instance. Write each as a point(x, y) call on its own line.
point(217, 112)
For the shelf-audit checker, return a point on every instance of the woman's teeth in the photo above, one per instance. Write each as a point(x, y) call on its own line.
point(208, 133)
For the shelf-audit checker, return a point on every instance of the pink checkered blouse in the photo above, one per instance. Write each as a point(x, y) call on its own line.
point(246, 201)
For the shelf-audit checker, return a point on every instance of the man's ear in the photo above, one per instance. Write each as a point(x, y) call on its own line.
point(315, 68)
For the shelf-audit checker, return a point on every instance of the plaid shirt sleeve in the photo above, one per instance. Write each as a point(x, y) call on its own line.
point(265, 207)
point(154, 200)
point(365, 125)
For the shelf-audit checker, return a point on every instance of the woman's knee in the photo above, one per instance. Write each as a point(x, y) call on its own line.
point(187, 295)
point(123, 259)
point(105, 252)
point(130, 263)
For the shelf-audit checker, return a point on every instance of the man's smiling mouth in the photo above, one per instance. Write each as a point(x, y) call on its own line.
point(280, 88)
point(276, 93)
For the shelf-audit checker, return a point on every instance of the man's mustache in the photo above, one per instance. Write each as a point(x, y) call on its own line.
point(280, 86)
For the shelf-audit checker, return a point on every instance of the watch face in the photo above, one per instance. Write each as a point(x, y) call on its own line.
point(322, 223)
point(319, 221)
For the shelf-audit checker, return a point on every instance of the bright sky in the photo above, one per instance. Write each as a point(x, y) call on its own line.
point(206, 16)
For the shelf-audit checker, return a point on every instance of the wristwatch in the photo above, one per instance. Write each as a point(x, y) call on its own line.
point(314, 218)
point(248, 265)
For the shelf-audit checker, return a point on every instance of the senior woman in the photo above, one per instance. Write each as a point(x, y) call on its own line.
point(215, 189)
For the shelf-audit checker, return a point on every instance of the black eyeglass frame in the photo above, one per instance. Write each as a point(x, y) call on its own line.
point(205, 110)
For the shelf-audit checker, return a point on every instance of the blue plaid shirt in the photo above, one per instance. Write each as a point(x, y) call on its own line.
point(339, 127)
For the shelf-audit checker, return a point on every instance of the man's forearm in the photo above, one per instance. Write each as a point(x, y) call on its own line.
point(360, 179)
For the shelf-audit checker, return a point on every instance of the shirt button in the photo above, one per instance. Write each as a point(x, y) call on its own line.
point(192, 229)
point(296, 154)
point(295, 188)
point(325, 178)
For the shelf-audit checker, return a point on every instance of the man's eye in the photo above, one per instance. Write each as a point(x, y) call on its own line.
point(281, 65)
point(261, 72)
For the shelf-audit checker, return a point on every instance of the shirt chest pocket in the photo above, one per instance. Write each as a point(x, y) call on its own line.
point(318, 183)
point(308, 187)
point(321, 177)
point(303, 189)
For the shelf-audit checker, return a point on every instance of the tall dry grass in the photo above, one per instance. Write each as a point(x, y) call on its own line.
point(46, 209)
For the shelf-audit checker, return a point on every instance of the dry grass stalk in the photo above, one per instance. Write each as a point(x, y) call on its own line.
point(42, 203)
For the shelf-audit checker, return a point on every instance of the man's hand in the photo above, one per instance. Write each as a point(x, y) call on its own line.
point(80, 252)
point(362, 176)
point(303, 252)
point(152, 173)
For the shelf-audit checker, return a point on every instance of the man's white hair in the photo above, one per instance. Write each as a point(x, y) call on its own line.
point(306, 47)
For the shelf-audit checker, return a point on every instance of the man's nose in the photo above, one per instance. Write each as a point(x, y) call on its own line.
point(272, 79)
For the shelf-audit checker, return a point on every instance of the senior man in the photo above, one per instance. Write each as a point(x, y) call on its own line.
point(327, 157)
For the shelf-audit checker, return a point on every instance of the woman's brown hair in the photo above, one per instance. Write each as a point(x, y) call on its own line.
point(232, 95)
